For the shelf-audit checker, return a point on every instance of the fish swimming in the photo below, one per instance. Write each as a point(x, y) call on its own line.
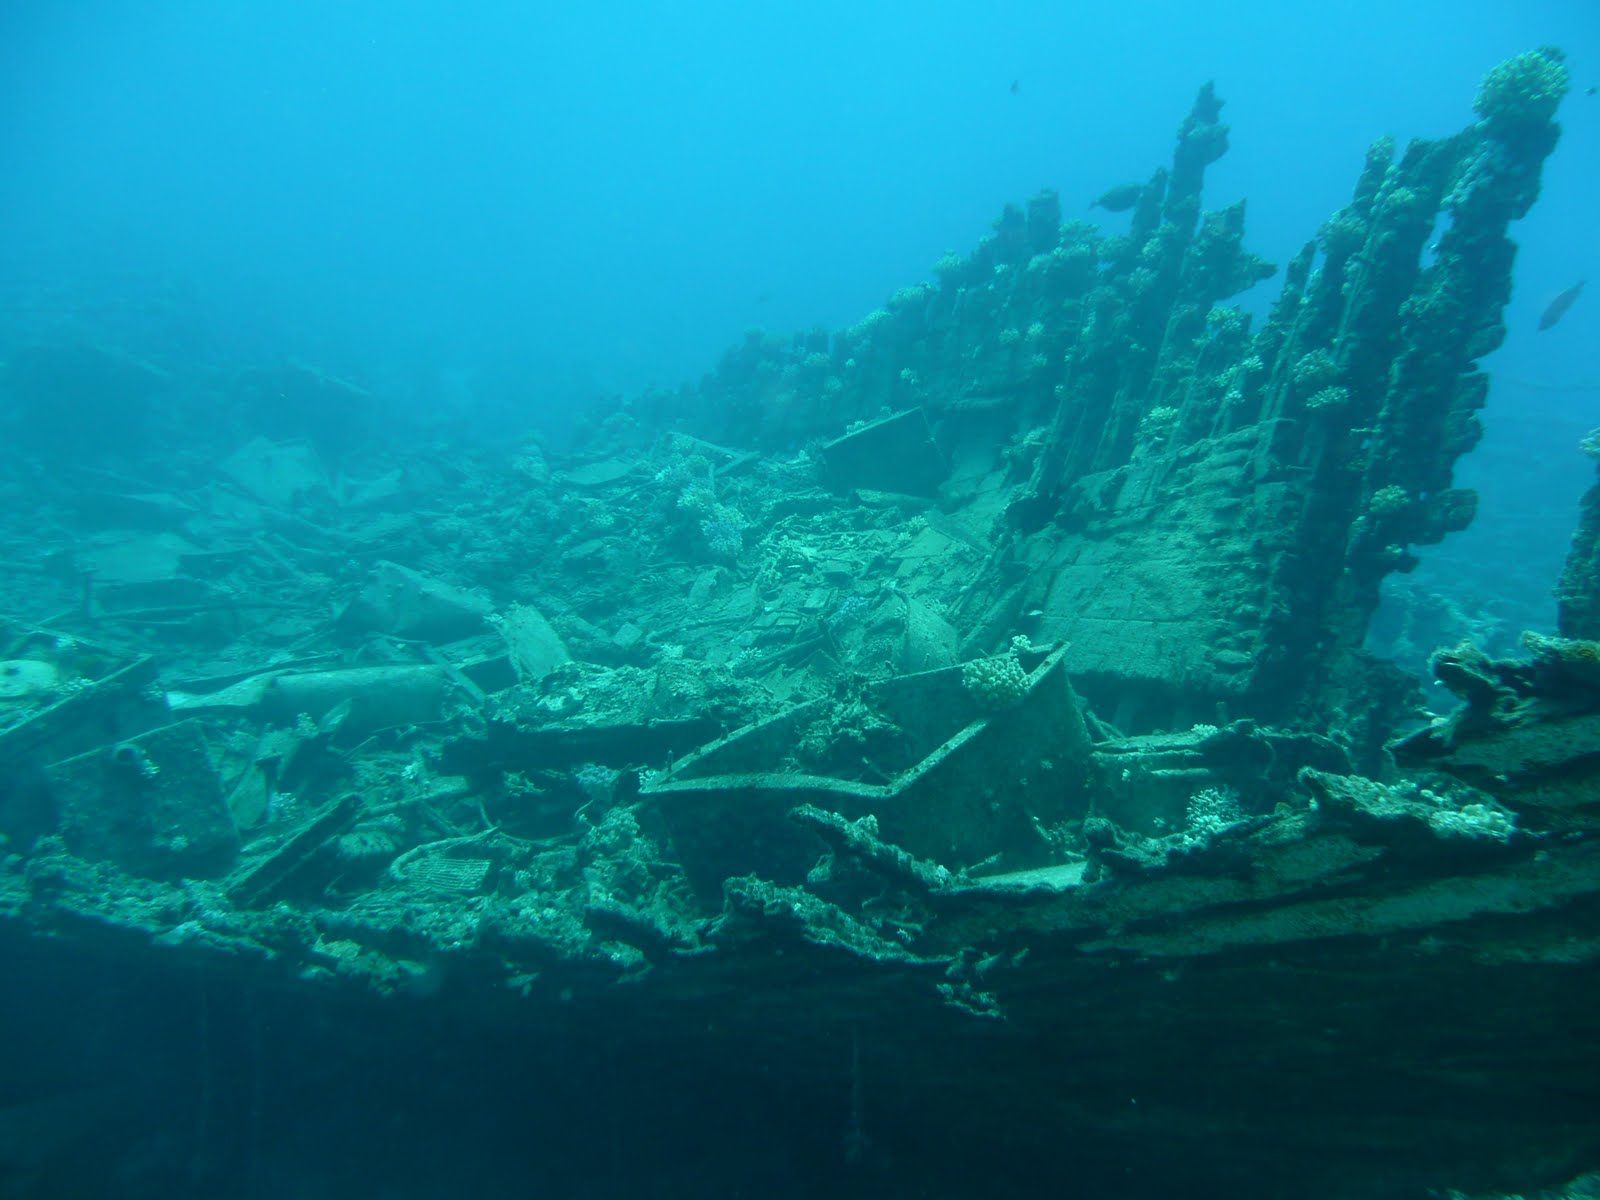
point(1120, 198)
point(1558, 307)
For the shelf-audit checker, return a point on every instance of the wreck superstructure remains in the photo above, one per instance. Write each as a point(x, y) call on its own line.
point(1204, 512)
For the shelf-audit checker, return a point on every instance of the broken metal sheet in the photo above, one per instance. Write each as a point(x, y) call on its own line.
point(536, 649)
point(278, 474)
point(951, 772)
point(600, 474)
point(151, 804)
point(930, 640)
point(894, 454)
point(263, 879)
point(136, 559)
point(118, 705)
point(408, 604)
point(27, 679)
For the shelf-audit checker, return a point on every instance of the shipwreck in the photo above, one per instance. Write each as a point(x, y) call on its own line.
point(951, 738)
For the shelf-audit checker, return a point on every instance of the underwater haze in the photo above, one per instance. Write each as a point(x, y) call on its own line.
point(607, 196)
point(799, 599)
point(511, 209)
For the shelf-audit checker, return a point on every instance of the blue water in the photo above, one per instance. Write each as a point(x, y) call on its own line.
point(498, 216)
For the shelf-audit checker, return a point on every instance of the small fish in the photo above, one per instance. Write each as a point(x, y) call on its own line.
point(1120, 198)
point(1016, 86)
point(1558, 307)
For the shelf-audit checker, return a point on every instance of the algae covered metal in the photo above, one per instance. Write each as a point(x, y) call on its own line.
point(962, 765)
